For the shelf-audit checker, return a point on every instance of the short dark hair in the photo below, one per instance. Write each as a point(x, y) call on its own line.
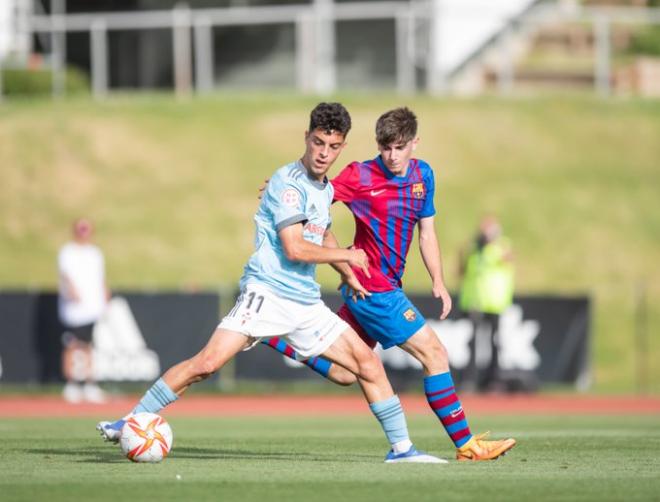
point(396, 125)
point(330, 117)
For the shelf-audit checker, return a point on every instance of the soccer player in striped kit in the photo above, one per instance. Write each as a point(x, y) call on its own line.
point(388, 196)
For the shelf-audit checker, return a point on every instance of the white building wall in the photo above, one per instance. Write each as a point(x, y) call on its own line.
point(460, 27)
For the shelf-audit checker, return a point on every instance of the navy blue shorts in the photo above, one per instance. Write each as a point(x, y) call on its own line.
point(389, 318)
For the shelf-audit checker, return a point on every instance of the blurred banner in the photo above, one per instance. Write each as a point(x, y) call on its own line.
point(543, 339)
point(140, 335)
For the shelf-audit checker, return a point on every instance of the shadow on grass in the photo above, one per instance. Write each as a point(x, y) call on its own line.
point(113, 455)
point(85, 455)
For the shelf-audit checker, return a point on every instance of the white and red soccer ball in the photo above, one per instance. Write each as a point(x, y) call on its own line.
point(146, 437)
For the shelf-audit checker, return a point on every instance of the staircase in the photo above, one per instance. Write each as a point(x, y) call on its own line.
point(492, 64)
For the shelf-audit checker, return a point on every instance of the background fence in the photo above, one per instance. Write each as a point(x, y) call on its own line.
point(436, 46)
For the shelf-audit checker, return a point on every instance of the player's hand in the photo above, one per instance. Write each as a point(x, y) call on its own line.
point(441, 292)
point(354, 288)
point(262, 188)
point(359, 259)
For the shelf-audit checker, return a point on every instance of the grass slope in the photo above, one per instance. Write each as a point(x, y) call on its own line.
point(295, 459)
point(172, 187)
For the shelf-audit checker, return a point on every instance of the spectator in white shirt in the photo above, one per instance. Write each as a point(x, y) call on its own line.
point(83, 297)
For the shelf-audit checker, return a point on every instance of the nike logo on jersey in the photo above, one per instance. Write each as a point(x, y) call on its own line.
point(377, 192)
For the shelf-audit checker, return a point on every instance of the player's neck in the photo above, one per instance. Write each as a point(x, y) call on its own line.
point(402, 172)
point(319, 178)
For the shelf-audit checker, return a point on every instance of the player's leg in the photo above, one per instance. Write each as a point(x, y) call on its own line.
point(350, 352)
point(392, 319)
point(319, 364)
point(221, 347)
point(441, 395)
point(232, 335)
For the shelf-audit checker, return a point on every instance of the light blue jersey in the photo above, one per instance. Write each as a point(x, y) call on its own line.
point(290, 197)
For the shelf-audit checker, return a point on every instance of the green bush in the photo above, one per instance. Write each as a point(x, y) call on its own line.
point(37, 82)
point(646, 41)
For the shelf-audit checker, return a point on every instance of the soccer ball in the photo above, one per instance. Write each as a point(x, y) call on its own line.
point(146, 437)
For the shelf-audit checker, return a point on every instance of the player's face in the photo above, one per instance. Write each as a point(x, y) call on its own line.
point(322, 149)
point(396, 155)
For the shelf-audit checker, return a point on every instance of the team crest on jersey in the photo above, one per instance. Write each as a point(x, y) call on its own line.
point(290, 197)
point(418, 190)
point(410, 315)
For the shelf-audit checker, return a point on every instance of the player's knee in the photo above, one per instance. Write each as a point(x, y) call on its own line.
point(439, 352)
point(435, 357)
point(205, 365)
point(369, 367)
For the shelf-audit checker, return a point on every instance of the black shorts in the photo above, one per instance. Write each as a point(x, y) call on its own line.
point(79, 333)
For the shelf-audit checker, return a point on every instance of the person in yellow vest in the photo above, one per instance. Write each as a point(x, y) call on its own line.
point(486, 292)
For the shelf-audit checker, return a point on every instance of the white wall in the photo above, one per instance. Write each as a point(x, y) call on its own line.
point(463, 26)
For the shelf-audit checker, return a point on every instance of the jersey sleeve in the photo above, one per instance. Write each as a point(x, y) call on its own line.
point(286, 201)
point(428, 209)
point(346, 183)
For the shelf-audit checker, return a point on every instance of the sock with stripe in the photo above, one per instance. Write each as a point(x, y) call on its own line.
point(390, 415)
point(318, 364)
point(441, 395)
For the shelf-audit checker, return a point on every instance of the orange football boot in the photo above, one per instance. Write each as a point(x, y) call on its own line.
point(478, 448)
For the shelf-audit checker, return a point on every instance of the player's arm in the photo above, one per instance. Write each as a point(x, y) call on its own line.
point(430, 250)
point(348, 278)
point(296, 248)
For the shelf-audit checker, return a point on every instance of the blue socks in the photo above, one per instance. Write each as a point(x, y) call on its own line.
point(156, 398)
point(390, 415)
point(318, 364)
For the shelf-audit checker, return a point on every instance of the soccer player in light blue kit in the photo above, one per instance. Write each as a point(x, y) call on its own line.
point(280, 297)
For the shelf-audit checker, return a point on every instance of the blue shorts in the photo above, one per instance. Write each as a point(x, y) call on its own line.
point(389, 317)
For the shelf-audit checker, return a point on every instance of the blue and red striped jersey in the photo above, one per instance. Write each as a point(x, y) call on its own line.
point(386, 209)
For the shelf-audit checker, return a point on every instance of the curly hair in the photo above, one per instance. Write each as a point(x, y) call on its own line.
point(396, 125)
point(330, 117)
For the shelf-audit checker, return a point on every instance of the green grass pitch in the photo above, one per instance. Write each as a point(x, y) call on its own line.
point(334, 459)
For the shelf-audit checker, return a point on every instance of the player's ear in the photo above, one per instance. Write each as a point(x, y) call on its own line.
point(414, 143)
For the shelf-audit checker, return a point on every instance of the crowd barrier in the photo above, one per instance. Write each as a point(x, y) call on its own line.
point(543, 339)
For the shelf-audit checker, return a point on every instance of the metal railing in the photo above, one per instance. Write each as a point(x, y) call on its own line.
point(314, 23)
